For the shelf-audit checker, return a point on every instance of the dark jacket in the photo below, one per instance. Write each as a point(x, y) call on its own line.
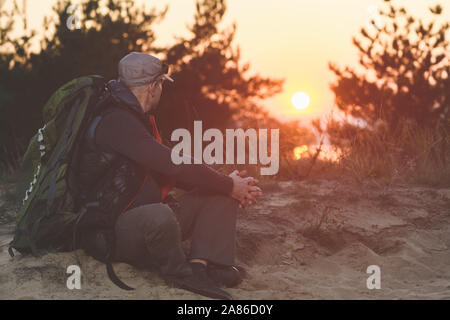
point(117, 152)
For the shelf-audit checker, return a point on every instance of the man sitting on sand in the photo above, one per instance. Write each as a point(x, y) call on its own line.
point(122, 146)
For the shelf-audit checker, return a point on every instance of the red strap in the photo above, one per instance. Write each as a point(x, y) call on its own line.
point(135, 196)
point(152, 121)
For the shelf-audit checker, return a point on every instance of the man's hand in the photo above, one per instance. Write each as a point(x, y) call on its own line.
point(254, 182)
point(245, 189)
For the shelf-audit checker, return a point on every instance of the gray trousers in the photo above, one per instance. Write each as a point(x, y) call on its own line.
point(151, 235)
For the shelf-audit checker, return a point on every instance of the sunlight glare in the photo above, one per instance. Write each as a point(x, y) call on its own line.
point(298, 151)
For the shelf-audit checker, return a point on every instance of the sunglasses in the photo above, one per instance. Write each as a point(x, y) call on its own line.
point(164, 70)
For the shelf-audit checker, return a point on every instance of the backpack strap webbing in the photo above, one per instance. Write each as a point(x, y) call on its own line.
point(52, 186)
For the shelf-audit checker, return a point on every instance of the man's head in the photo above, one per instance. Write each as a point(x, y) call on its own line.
point(143, 74)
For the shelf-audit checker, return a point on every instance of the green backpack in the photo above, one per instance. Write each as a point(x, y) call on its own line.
point(45, 186)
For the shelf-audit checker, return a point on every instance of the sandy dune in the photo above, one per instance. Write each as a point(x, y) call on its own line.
point(304, 240)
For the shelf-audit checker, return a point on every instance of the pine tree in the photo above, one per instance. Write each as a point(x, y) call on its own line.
point(406, 71)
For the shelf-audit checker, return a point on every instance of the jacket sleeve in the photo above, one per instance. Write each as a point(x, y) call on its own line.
point(121, 132)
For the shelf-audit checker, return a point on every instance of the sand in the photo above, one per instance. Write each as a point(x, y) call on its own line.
point(304, 240)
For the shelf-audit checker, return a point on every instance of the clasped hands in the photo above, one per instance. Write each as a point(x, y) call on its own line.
point(245, 189)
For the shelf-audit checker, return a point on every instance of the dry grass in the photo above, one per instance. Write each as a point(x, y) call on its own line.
point(410, 154)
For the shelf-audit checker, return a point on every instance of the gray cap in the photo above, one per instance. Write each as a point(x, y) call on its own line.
point(138, 69)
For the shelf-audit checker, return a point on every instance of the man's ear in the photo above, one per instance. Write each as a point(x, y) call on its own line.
point(151, 88)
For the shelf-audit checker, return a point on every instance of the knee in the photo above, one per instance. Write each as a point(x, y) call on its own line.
point(162, 218)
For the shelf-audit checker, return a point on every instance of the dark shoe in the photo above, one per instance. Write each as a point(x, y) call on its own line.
point(228, 276)
point(199, 283)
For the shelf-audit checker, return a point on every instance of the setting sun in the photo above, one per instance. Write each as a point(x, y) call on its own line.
point(298, 151)
point(300, 100)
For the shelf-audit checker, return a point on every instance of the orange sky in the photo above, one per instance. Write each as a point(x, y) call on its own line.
point(290, 39)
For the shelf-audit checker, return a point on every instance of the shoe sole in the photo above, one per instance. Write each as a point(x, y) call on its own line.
point(223, 295)
point(222, 283)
